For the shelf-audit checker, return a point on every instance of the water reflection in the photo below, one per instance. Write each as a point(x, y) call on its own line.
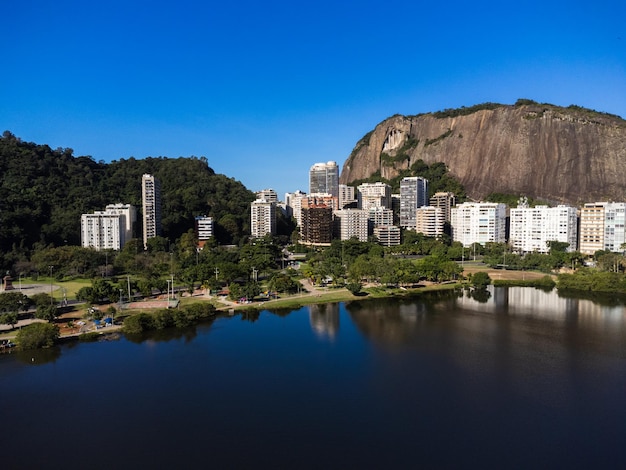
point(324, 320)
point(545, 313)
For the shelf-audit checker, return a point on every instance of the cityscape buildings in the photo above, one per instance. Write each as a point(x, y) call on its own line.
point(151, 205)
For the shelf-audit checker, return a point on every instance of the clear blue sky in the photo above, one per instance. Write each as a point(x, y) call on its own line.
point(266, 89)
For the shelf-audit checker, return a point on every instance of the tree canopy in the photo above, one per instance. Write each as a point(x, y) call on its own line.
point(43, 193)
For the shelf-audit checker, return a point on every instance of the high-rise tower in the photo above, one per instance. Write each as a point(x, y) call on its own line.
point(151, 197)
point(324, 178)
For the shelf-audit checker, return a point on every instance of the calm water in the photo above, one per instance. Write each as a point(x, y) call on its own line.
point(525, 379)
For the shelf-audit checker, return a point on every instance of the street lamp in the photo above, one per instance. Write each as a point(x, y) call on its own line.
point(51, 268)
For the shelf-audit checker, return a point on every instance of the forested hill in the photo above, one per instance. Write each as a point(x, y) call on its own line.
point(43, 193)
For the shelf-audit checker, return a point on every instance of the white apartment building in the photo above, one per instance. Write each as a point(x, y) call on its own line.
point(128, 213)
point(478, 222)
point(387, 235)
point(151, 205)
point(346, 195)
point(101, 231)
point(429, 221)
point(110, 229)
point(614, 226)
point(204, 228)
point(262, 218)
point(352, 223)
point(413, 194)
point(531, 228)
point(324, 178)
point(374, 195)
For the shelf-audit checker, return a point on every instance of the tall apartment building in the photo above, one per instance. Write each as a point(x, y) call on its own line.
point(317, 225)
point(268, 194)
point(293, 204)
point(413, 194)
point(151, 205)
point(204, 229)
point(478, 222)
point(592, 227)
point(429, 221)
point(110, 229)
point(262, 218)
point(374, 195)
point(531, 228)
point(445, 201)
point(346, 195)
point(324, 178)
point(352, 223)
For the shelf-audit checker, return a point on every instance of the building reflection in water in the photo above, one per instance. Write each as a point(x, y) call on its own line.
point(536, 303)
point(324, 319)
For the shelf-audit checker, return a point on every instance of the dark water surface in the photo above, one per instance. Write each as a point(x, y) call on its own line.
point(527, 379)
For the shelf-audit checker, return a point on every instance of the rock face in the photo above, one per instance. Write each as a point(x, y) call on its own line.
point(562, 155)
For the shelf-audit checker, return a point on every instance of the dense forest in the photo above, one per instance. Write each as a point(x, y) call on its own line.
point(43, 193)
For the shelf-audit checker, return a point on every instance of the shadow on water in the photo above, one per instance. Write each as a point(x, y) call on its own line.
point(38, 357)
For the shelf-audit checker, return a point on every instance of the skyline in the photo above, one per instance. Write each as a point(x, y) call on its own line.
point(264, 91)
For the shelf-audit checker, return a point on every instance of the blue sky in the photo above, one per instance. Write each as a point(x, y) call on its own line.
point(266, 89)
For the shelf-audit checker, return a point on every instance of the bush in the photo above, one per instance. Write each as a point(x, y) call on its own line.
point(480, 280)
point(354, 287)
point(139, 323)
point(37, 335)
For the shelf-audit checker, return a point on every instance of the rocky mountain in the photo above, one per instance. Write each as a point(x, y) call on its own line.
point(562, 155)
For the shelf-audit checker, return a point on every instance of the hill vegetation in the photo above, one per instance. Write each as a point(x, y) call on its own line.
point(43, 193)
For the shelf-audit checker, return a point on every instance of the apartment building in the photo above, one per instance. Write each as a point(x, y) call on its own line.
point(478, 222)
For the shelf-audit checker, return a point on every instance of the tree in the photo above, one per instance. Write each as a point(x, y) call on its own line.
point(480, 280)
point(47, 312)
point(354, 287)
point(9, 319)
point(37, 335)
point(14, 302)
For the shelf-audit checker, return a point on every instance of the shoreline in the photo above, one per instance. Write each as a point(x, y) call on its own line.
point(314, 295)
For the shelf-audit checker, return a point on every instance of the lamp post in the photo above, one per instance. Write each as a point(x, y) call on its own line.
point(51, 268)
point(20, 282)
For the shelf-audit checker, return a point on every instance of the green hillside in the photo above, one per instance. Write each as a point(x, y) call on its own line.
point(43, 193)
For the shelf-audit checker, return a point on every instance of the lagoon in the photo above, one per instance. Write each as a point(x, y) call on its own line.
point(519, 378)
